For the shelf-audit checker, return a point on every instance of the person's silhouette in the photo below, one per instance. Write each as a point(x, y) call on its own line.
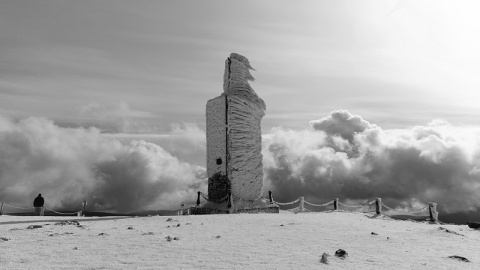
point(38, 204)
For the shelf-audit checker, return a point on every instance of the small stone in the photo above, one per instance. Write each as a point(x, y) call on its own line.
point(342, 254)
point(169, 219)
point(188, 224)
point(102, 234)
point(281, 225)
point(130, 228)
point(324, 258)
point(178, 225)
point(75, 248)
point(459, 258)
point(373, 233)
point(31, 227)
point(67, 222)
point(3, 239)
point(169, 238)
point(176, 238)
point(218, 236)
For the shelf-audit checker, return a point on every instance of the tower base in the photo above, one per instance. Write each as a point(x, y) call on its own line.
point(238, 206)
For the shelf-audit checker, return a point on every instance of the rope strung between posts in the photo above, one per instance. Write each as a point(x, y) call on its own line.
point(19, 207)
point(406, 212)
point(287, 203)
point(319, 205)
point(29, 208)
point(356, 205)
point(72, 213)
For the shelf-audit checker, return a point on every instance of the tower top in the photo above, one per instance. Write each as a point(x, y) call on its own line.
point(237, 73)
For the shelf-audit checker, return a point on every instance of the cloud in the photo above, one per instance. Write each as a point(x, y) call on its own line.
point(349, 158)
point(116, 117)
point(186, 141)
point(345, 157)
point(341, 123)
point(68, 165)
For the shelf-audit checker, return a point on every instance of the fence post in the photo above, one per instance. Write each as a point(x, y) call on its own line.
point(229, 200)
point(302, 200)
point(335, 204)
point(84, 207)
point(432, 207)
point(1, 209)
point(270, 196)
point(378, 203)
point(198, 198)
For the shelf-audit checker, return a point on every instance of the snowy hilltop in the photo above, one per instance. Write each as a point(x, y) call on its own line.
point(243, 241)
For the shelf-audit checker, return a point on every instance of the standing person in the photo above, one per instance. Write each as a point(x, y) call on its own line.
point(38, 204)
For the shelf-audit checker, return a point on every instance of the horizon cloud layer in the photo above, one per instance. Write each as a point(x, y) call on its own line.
point(347, 157)
point(68, 165)
point(342, 155)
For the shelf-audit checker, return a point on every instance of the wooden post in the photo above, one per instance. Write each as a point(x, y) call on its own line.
point(432, 207)
point(1, 208)
point(302, 201)
point(229, 200)
point(335, 204)
point(378, 203)
point(84, 203)
point(198, 198)
point(270, 196)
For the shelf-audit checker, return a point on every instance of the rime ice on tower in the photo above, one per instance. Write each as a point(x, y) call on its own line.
point(234, 142)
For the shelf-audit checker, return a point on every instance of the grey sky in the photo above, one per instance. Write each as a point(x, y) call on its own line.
point(138, 66)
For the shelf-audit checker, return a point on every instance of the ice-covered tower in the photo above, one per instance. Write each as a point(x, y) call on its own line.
point(234, 137)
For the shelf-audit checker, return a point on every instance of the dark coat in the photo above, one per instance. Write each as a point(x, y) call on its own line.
point(38, 202)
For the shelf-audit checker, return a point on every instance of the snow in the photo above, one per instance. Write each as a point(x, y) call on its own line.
point(237, 140)
point(239, 241)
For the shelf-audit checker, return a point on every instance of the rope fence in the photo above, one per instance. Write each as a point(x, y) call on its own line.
point(431, 207)
point(43, 209)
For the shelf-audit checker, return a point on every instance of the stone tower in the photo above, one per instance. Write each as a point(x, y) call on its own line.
point(234, 141)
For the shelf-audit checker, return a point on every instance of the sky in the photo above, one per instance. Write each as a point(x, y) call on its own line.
point(113, 85)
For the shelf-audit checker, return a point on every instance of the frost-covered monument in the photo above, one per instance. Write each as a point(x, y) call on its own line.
point(234, 143)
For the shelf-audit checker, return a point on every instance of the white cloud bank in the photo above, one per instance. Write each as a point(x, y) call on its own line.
point(345, 156)
point(67, 165)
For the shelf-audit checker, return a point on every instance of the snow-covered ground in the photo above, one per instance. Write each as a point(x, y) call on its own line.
point(239, 241)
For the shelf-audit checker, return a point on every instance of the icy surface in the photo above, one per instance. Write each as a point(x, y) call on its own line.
point(244, 112)
point(216, 136)
point(242, 241)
